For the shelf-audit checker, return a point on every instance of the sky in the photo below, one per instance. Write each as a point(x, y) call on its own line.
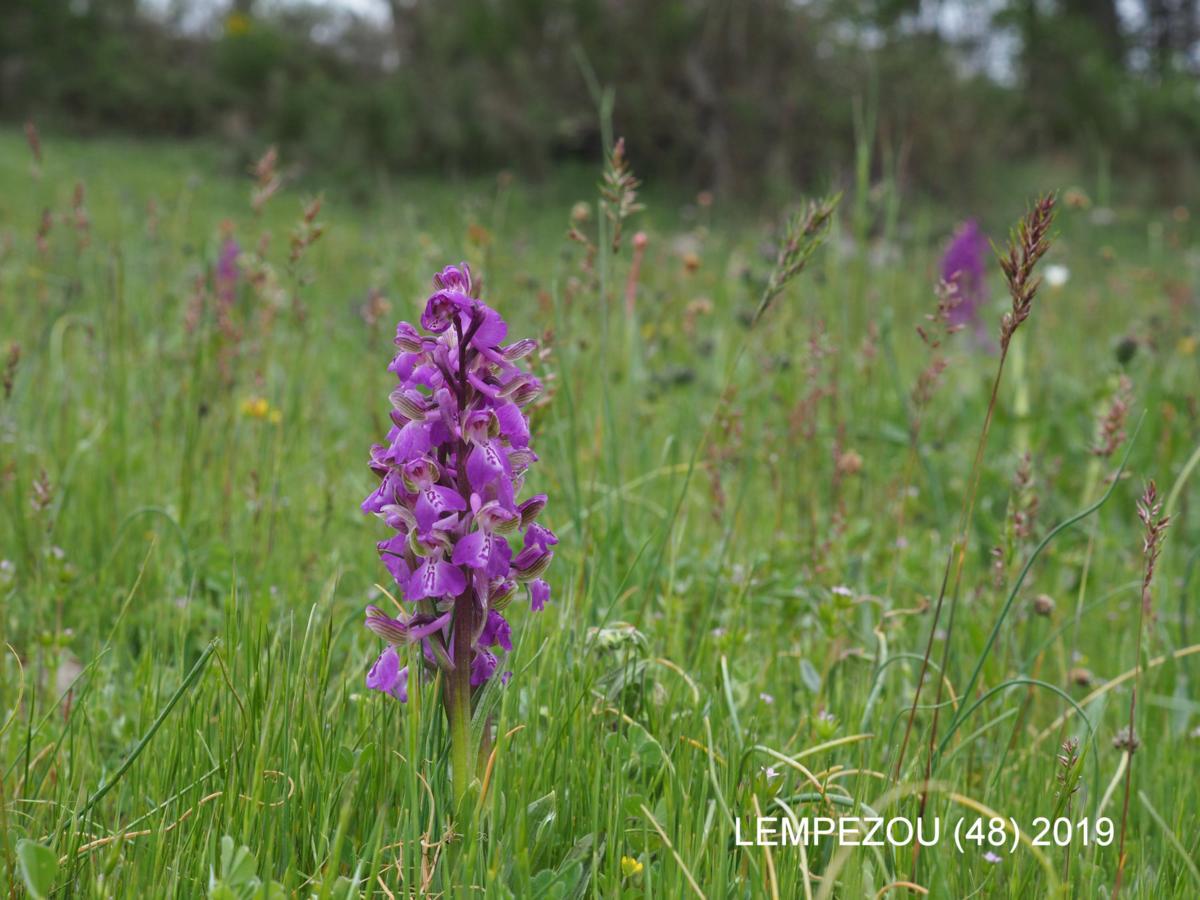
point(199, 13)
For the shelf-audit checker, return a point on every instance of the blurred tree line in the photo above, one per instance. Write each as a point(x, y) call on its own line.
point(738, 94)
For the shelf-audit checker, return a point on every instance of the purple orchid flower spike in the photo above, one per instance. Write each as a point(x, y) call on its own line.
point(450, 471)
point(227, 271)
point(964, 269)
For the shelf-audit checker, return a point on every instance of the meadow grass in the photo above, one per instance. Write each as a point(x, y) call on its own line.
point(750, 543)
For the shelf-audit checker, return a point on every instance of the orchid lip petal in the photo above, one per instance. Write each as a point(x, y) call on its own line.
point(386, 675)
point(513, 425)
point(540, 536)
point(473, 550)
point(496, 631)
point(436, 578)
point(487, 463)
point(539, 595)
point(483, 666)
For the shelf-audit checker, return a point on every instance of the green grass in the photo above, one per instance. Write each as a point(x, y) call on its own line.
point(186, 580)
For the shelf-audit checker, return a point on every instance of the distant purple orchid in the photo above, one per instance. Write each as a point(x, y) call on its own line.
point(964, 267)
point(227, 270)
point(449, 475)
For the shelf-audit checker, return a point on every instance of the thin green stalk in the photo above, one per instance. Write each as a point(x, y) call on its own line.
point(1093, 476)
point(957, 551)
point(108, 785)
point(1050, 536)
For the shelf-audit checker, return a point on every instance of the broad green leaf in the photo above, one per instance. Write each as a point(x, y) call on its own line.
point(38, 865)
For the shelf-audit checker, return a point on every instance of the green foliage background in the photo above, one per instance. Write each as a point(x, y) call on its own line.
point(751, 96)
point(186, 567)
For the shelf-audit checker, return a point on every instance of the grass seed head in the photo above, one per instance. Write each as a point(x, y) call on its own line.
point(1028, 243)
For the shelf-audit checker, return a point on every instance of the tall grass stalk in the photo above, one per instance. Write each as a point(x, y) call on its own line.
point(1027, 245)
point(1155, 524)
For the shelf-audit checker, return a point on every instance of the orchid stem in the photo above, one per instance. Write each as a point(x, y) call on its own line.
point(458, 702)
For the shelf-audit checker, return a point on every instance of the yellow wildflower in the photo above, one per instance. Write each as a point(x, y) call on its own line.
point(256, 407)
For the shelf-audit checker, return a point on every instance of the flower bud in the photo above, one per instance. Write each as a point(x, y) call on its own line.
point(391, 630)
point(519, 349)
point(454, 278)
point(407, 406)
point(522, 390)
point(531, 509)
point(521, 459)
point(532, 563)
point(407, 339)
point(502, 594)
